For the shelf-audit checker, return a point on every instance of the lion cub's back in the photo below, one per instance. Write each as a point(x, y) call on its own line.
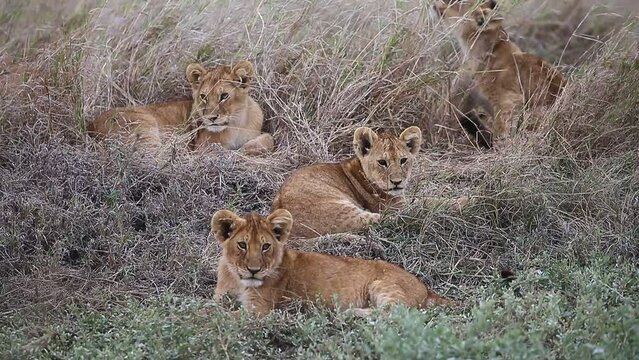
point(312, 183)
point(129, 120)
point(352, 278)
point(314, 195)
point(541, 81)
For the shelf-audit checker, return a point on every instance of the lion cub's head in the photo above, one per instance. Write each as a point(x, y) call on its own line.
point(386, 159)
point(471, 18)
point(253, 246)
point(219, 93)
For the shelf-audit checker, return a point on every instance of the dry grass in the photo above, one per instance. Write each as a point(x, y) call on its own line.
point(92, 224)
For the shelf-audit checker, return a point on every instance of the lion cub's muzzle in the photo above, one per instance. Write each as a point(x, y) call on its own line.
point(396, 187)
point(213, 123)
point(252, 277)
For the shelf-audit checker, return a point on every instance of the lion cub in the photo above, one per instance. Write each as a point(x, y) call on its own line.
point(221, 111)
point(496, 74)
point(348, 196)
point(257, 267)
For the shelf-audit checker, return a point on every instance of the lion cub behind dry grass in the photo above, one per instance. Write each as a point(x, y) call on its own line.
point(496, 74)
point(348, 196)
point(221, 111)
point(257, 267)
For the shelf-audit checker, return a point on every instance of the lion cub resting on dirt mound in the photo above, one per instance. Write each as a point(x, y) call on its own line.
point(258, 268)
point(348, 196)
point(496, 74)
point(221, 112)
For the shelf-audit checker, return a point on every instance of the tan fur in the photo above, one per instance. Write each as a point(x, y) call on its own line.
point(496, 74)
point(348, 196)
point(257, 267)
point(221, 111)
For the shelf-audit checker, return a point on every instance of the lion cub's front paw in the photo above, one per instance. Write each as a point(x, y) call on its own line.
point(261, 145)
point(376, 218)
point(359, 312)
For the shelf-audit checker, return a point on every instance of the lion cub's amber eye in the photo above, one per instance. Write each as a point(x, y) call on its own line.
point(382, 163)
point(265, 247)
point(403, 161)
point(241, 245)
point(203, 97)
point(224, 96)
point(481, 21)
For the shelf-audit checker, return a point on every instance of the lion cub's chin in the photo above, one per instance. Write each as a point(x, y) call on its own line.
point(252, 283)
point(215, 128)
point(396, 192)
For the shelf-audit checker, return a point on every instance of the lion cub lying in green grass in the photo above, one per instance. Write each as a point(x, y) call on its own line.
point(257, 267)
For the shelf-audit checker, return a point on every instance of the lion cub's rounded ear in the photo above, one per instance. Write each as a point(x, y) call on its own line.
point(223, 223)
point(412, 137)
point(194, 73)
point(363, 141)
point(244, 73)
point(281, 223)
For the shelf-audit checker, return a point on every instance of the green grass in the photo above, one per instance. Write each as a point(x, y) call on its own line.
point(555, 309)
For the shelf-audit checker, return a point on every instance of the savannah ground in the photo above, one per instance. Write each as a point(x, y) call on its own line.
point(104, 254)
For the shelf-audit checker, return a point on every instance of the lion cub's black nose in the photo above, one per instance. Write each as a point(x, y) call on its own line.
point(396, 182)
point(254, 271)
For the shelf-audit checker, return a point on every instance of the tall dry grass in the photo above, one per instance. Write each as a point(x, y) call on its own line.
point(90, 223)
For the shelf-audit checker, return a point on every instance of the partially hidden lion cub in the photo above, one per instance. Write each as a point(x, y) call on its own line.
point(348, 196)
point(221, 111)
point(257, 267)
point(496, 74)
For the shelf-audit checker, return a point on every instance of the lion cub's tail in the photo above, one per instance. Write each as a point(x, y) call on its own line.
point(472, 123)
point(434, 299)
